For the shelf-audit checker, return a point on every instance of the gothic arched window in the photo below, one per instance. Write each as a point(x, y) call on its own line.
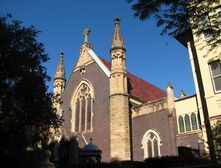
point(151, 144)
point(187, 122)
point(82, 105)
point(181, 124)
point(194, 121)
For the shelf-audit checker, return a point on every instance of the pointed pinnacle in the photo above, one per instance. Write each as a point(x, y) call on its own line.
point(60, 72)
point(117, 41)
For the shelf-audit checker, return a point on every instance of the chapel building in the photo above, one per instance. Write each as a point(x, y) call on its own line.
point(127, 117)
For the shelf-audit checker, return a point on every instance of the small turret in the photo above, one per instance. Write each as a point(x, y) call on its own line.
point(59, 86)
point(119, 102)
point(59, 78)
point(182, 94)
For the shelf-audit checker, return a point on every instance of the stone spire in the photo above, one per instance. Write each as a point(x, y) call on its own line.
point(117, 41)
point(60, 72)
point(59, 78)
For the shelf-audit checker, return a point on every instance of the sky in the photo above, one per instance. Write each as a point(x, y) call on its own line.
point(154, 58)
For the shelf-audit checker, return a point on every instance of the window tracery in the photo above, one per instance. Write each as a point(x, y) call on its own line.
point(82, 103)
point(151, 144)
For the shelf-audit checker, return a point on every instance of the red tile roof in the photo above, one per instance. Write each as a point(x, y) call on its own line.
point(139, 88)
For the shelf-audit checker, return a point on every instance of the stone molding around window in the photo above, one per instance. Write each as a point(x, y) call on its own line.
point(151, 143)
point(82, 107)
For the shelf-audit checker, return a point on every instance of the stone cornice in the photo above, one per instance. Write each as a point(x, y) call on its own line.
point(150, 107)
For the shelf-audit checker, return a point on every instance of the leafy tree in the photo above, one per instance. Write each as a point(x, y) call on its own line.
point(217, 138)
point(174, 16)
point(26, 112)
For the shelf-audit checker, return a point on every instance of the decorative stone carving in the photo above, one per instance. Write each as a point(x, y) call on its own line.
point(149, 107)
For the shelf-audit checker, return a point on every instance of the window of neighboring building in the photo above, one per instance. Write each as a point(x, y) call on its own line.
point(205, 27)
point(215, 68)
point(187, 122)
point(218, 13)
point(151, 144)
point(181, 124)
point(83, 109)
point(194, 121)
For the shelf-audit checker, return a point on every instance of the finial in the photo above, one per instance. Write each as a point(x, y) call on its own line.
point(60, 72)
point(86, 34)
point(182, 94)
point(61, 54)
point(169, 85)
point(116, 20)
point(91, 139)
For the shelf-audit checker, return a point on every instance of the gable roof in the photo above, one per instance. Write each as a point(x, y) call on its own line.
point(139, 88)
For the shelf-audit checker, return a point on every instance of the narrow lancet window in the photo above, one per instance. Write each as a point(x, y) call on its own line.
point(181, 124)
point(89, 112)
point(194, 121)
point(187, 122)
point(77, 109)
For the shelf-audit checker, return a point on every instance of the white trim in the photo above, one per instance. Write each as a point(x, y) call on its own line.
point(85, 141)
point(145, 140)
point(213, 77)
point(99, 62)
point(73, 100)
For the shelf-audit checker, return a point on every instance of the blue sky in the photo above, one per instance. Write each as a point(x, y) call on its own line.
point(155, 58)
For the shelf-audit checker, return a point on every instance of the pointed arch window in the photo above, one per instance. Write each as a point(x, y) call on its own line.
point(83, 108)
point(151, 144)
point(187, 122)
point(194, 121)
point(181, 124)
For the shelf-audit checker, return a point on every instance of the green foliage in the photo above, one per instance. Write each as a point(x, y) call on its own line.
point(174, 16)
point(26, 112)
point(216, 130)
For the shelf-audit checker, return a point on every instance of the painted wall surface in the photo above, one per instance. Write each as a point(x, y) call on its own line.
point(206, 55)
